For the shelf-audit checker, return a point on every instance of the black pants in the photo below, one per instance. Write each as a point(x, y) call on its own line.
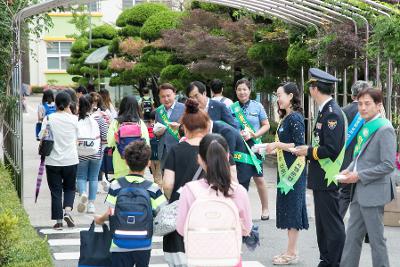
point(329, 227)
point(61, 179)
point(132, 258)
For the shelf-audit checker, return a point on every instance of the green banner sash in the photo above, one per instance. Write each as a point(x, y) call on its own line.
point(332, 168)
point(238, 111)
point(366, 131)
point(165, 121)
point(288, 177)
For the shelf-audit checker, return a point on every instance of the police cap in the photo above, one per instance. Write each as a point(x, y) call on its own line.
point(317, 75)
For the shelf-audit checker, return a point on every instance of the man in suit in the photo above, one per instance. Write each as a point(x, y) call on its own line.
point(215, 109)
point(355, 122)
point(168, 114)
point(370, 172)
point(325, 158)
point(244, 171)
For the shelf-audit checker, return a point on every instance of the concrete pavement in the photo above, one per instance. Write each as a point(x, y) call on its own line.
point(273, 241)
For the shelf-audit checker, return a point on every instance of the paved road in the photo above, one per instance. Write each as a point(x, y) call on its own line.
point(273, 241)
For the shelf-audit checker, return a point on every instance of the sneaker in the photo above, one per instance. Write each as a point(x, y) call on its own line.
point(82, 203)
point(105, 185)
point(68, 219)
point(58, 226)
point(91, 209)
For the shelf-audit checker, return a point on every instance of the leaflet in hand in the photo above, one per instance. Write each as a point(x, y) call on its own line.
point(159, 127)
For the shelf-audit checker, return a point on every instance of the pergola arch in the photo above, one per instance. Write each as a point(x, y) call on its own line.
point(299, 13)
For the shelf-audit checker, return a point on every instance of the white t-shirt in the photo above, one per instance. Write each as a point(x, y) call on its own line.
point(226, 101)
point(64, 127)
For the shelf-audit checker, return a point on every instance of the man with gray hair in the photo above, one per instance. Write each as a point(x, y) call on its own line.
point(355, 122)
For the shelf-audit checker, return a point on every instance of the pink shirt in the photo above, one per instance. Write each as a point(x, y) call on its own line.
point(239, 197)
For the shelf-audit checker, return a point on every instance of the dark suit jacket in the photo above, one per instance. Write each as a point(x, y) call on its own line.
point(330, 129)
point(219, 112)
point(351, 111)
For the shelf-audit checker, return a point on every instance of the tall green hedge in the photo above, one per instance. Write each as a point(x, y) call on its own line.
point(137, 15)
point(160, 21)
point(26, 248)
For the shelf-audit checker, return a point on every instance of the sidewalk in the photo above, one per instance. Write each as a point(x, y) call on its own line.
point(273, 241)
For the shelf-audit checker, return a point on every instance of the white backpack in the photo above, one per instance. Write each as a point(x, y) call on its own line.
point(213, 234)
point(88, 137)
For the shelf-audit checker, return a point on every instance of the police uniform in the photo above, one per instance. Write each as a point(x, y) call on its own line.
point(329, 134)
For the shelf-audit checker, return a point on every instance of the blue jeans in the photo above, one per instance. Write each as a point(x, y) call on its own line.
point(88, 170)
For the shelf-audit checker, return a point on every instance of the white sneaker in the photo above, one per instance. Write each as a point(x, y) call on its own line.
point(106, 185)
point(91, 209)
point(82, 203)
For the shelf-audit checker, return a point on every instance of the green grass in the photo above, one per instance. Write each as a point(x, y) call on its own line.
point(28, 249)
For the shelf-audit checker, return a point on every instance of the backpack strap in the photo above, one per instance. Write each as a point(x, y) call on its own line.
point(222, 100)
point(123, 182)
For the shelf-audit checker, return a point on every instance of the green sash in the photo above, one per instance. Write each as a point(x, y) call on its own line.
point(366, 131)
point(164, 120)
point(250, 158)
point(238, 111)
point(332, 168)
point(288, 177)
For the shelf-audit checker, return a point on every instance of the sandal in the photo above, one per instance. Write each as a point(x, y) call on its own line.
point(285, 260)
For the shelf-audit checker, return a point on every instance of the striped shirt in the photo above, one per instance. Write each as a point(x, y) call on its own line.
point(103, 127)
point(157, 200)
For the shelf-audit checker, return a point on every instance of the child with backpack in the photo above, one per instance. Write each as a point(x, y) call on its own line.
point(214, 213)
point(146, 104)
point(155, 166)
point(133, 202)
point(126, 128)
point(45, 108)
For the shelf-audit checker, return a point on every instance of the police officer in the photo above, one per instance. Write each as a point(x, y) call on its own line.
point(355, 123)
point(325, 158)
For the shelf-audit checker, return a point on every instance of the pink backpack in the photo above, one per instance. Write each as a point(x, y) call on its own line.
point(127, 133)
point(213, 234)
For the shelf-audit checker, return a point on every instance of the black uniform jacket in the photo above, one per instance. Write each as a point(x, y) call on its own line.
point(330, 130)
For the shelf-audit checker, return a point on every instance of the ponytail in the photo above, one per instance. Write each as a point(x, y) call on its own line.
point(214, 152)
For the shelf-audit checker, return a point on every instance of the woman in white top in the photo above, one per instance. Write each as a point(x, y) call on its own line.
point(110, 109)
point(61, 164)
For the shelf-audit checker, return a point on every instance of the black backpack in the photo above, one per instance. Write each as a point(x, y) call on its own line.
point(132, 222)
point(147, 107)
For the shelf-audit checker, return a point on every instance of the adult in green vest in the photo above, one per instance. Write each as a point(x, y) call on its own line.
point(371, 174)
point(253, 122)
point(325, 159)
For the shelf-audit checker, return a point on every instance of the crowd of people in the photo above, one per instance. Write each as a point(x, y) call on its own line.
point(210, 148)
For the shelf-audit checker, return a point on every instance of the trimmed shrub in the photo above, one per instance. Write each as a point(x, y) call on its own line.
point(155, 24)
point(37, 89)
point(104, 32)
point(26, 248)
point(171, 72)
point(129, 31)
point(138, 14)
point(80, 45)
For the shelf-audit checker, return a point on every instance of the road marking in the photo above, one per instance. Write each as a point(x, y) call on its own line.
point(77, 241)
point(62, 256)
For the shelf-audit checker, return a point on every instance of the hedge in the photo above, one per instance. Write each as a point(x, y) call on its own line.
point(27, 249)
point(160, 21)
point(138, 14)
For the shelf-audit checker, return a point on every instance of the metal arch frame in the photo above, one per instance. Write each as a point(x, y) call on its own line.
point(14, 122)
point(263, 9)
point(257, 10)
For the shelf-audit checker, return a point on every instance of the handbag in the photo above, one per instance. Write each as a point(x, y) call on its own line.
point(47, 143)
point(95, 247)
point(165, 221)
point(107, 162)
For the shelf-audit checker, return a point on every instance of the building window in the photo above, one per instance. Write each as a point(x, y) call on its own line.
point(58, 54)
point(94, 6)
point(127, 4)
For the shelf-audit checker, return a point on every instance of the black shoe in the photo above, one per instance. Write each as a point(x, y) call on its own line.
point(68, 219)
point(264, 218)
point(58, 226)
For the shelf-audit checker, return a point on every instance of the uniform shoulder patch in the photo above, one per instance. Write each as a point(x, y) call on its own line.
point(332, 124)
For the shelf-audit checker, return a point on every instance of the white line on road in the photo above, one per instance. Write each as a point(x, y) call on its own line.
point(77, 242)
point(62, 256)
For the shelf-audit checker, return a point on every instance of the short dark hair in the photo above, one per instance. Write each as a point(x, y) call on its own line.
point(48, 97)
point(63, 100)
point(375, 94)
point(137, 155)
point(166, 86)
point(324, 88)
point(81, 89)
point(196, 84)
point(145, 90)
point(243, 81)
point(216, 86)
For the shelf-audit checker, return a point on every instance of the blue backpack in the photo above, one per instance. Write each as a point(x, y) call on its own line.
point(49, 109)
point(132, 222)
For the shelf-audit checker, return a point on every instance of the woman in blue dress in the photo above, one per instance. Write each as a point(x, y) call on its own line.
point(291, 210)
